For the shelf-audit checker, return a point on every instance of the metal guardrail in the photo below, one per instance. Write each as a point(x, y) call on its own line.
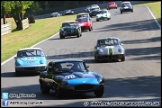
point(76, 10)
point(5, 29)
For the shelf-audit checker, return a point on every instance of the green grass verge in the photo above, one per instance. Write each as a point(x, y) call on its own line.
point(40, 30)
point(44, 28)
point(155, 7)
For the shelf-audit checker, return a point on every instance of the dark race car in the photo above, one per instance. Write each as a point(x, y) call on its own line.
point(70, 76)
point(70, 28)
point(85, 23)
point(94, 12)
point(126, 7)
point(109, 49)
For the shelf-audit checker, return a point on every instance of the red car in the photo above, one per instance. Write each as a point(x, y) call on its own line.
point(85, 23)
point(112, 5)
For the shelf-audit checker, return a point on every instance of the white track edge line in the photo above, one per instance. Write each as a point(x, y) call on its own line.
point(30, 47)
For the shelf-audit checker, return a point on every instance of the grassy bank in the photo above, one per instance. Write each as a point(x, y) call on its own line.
point(155, 7)
point(44, 28)
point(38, 31)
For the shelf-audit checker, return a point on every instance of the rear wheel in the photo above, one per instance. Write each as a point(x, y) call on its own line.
point(132, 10)
point(78, 34)
point(97, 19)
point(99, 92)
point(121, 12)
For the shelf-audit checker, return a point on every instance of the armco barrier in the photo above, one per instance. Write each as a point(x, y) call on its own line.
point(5, 29)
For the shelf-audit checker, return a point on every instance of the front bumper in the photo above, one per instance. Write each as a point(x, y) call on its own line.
point(109, 57)
point(101, 18)
point(80, 88)
point(69, 33)
point(127, 10)
point(27, 69)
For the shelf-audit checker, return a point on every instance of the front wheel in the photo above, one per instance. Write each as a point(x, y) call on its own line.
point(44, 89)
point(121, 12)
point(17, 73)
point(61, 36)
point(99, 92)
point(123, 58)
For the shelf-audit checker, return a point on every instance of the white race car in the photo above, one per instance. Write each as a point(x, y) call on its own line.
point(108, 49)
point(103, 14)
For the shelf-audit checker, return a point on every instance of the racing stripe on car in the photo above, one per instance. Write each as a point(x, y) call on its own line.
point(110, 51)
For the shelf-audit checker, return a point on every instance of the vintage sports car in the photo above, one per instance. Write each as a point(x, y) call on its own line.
point(94, 12)
point(109, 49)
point(126, 7)
point(70, 28)
point(30, 60)
point(103, 14)
point(112, 5)
point(70, 76)
point(85, 23)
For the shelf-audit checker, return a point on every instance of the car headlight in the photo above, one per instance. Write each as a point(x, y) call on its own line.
point(100, 51)
point(42, 61)
point(119, 50)
point(18, 62)
point(100, 80)
point(64, 82)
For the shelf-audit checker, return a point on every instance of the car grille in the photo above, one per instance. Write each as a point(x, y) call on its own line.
point(84, 87)
point(67, 29)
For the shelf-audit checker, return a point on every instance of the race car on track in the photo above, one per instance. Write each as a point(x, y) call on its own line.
point(70, 76)
point(68, 12)
point(126, 7)
point(30, 60)
point(112, 5)
point(85, 23)
point(70, 28)
point(109, 49)
point(103, 14)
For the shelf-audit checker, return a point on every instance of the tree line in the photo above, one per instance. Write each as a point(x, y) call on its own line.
point(21, 9)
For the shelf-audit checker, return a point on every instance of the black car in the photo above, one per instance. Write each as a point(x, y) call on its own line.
point(94, 12)
point(70, 76)
point(126, 7)
point(70, 28)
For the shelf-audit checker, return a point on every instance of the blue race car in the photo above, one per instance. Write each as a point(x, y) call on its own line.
point(65, 76)
point(30, 60)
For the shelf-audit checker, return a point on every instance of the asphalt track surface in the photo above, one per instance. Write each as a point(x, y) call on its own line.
point(135, 79)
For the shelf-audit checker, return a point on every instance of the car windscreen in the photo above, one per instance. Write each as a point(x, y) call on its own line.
point(108, 42)
point(82, 20)
point(126, 5)
point(102, 12)
point(70, 66)
point(30, 53)
point(82, 15)
point(69, 24)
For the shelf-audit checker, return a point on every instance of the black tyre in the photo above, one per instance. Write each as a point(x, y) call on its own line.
point(17, 73)
point(78, 34)
point(99, 92)
point(132, 10)
point(44, 88)
point(58, 92)
point(97, 19)
point(96, 59)
point(123, 58)
point(61, 36)
point(121, 12)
